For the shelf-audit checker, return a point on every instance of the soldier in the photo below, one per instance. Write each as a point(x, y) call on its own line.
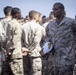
point(49, 19)
point(8, 16)
point(44, 61)
point(2, 50)
point(31, 38)
point(26, 19)
point(7, 12)
point(14, 43)
point(43, 20)
point(61, 33)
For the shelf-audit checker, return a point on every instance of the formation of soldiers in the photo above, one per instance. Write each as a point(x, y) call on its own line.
point(22, 41)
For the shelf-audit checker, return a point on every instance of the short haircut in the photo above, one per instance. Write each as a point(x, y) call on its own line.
point(60, 5)
point(32, 13)
point(15, 11)
point(7, 10)
point(43, 16)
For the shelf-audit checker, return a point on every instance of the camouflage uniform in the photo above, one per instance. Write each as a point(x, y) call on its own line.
point(5, 23)
point(63, 39)
point(6, 68)
point(26, 64)
point(32, 36)
point(2, 40)
point(2, 34)
point(14, 47)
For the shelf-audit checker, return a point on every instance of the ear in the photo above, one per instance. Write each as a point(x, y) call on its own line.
point(64, 13)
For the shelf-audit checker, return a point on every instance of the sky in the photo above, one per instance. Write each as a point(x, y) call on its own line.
point(42, 6)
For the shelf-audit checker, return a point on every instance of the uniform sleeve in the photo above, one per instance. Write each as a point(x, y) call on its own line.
point(16, 36)
point(44, 32)
point(48, 36)
point(23, 39)
point(37, 39)
point(43, 36)
point(74, 25)
point(74, 29)
point(2, 34)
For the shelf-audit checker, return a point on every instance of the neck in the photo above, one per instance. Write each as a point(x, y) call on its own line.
point(33, 20)
point(8, 16)
point(59, 19)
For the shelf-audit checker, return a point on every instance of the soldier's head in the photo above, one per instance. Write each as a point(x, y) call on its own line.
point(43, 19)
point(27, 19)
point(7, 10)
point(58, 9)
point(16, 13)
point(33, 15)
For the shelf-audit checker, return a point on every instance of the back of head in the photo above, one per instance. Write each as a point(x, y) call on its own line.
point(27, 17)
point(7, 10)
point(32, 14)
point(16, 13)
point(43, 16)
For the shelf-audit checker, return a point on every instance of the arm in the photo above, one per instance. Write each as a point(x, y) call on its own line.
point(2, 33)
point(16, 36)
point(23, 43)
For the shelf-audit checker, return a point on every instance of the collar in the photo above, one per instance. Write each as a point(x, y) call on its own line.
point(61, 23)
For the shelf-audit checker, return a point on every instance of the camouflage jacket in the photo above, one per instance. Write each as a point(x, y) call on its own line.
point(2, 35)
point(14, 39)
point(63, 38)
point(5, 23)
point(31, 37)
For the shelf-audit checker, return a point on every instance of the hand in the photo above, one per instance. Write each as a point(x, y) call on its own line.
point(5, 52)
point(24, 53)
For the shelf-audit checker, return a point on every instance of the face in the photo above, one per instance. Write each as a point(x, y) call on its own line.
point(44, 20)
point(40, 18)
point(19, 15)
point(37, 17)
point(57, 12)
